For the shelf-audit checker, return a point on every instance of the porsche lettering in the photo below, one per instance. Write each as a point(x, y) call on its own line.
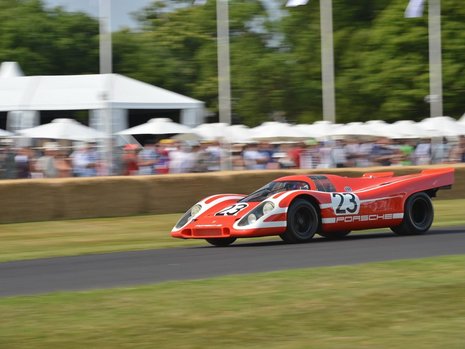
point(363, 218)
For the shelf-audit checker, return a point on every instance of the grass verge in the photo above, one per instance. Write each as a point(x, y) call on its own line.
point(76, 237)
point(401, 304)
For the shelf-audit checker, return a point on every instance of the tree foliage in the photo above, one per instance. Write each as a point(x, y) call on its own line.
point(47, 41)
point(381, 58)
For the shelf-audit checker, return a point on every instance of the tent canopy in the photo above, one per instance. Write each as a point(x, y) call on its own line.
point(63, 129)
point(86, 92)
point(158, 126)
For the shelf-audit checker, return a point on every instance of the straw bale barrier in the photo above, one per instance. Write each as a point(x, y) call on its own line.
point(73, 198)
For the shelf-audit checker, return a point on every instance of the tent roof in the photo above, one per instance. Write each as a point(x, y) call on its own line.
point(10, 69)
point(82, 92)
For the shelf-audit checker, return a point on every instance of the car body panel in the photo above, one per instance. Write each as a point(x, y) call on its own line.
point(373, 200)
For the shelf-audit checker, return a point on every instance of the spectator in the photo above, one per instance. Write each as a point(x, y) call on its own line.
point(200, 158)
point(422, 153)
point(147, 159)
point(439, 151)
point(45, 164)
point(237, 157)
point(309, 157)
point(84, 161)
point(281, 156)
point(23, 163)
point(339, 154)
point(266, 152)
point(406, 150)
point(364, 153)
point(176, 156)
point(326, 159)
point(457, 153)
point(382, 152)
point(163, 160)
point(253, 159)
point(216, 154)
point(352, 151)
point(63, 164)
point(130, 160)
point(295, 152)
point(7, 160)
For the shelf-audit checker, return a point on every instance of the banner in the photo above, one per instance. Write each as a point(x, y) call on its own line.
point(294, 3)
point(414, 9)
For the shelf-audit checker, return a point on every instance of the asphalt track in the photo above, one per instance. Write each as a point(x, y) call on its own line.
point(154, 266)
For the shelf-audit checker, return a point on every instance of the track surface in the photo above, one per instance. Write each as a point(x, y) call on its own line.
point(143, 267)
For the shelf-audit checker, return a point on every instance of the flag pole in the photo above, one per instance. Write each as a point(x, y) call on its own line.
point(327, 60)
point(224, 79)
point(435, 60)
point(106, 62)
point(224, 76)
point(327, 56)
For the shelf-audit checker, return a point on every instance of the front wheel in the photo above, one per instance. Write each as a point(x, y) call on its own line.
point(303, 222)
point(221, 242)
point(418, 215)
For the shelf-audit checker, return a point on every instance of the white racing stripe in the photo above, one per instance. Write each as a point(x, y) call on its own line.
point(363, 218)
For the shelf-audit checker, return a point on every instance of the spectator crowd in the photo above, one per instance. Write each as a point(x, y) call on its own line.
point(172, 156)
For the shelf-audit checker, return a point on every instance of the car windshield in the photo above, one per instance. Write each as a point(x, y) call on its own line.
point(273, 188)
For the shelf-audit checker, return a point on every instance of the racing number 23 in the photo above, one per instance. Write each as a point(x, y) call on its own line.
point(345, 203)
point(231, 210)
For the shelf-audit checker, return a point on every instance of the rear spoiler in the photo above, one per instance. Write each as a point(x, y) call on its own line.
point(438, 170)
point(378, 174)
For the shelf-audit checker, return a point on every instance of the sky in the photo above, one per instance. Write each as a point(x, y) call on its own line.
point(120, 9)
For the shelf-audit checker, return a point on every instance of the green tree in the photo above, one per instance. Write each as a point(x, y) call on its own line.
point(47, 41)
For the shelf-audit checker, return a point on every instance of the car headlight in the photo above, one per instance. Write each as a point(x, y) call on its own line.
point(192, 212)
point(258, 212)
point(268, 207)
point(195, 210)
point(251, 218)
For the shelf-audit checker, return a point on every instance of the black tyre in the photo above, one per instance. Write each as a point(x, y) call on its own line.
point(303, 222)
point(221, 242)
point(334, 235)
point(418, 215)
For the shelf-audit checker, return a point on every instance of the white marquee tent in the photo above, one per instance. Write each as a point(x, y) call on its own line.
point(97, 93)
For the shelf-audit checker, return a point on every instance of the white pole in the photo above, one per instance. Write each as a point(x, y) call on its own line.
point(224, 80)
point(105, 53)
point(327, 60)
point(435, 61)
point(105, 37)
point(224, 76)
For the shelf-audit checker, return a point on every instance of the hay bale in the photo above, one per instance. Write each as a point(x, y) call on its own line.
point(103, 197)
point(29, 200)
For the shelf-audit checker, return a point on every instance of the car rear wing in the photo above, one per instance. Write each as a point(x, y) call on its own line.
point(378, 174)
point(438, 170)
point(445, 175)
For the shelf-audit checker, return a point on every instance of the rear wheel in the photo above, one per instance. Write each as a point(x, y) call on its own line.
point(335, 234)
point(418, 215)
point(302, 222)
point(221, 242)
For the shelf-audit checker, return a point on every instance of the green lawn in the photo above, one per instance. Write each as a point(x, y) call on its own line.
point(75, 237)
point(401, 304)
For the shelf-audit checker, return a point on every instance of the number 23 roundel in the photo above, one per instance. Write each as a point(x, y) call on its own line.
point(345, 203)
point(231, 210)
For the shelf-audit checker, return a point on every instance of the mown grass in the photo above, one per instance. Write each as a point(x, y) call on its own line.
point(402, 304)
point(76, 237)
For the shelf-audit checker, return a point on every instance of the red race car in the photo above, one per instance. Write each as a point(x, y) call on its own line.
point(297, 207)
